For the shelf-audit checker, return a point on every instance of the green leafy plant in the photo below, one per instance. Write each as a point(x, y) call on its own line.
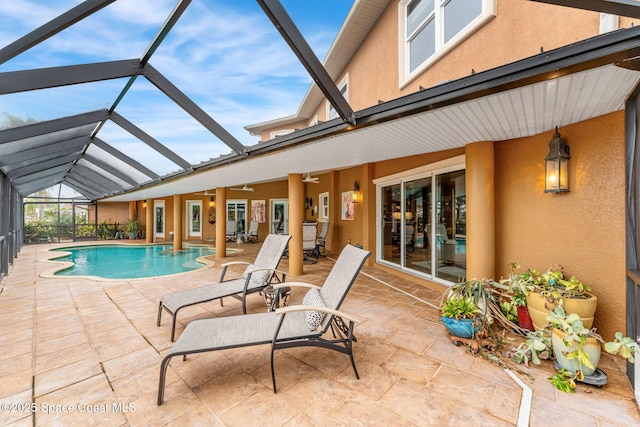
point(459, 307)
point(537, 347)
point(132, 226)
point(509, 309)
point(551, 284)
point(564, 381)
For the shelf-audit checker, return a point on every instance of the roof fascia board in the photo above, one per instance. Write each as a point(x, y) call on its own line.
point(169, 89)
point(290, 33)
point(629, 8)
point(43, 78)
point(124, 158)
point(55, 125)
point(51, 28)
point(110, 169)
point(149, 140)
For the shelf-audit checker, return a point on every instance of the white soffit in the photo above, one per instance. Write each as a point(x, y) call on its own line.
point(516, 113)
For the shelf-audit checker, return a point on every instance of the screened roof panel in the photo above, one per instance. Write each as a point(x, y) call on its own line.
point(95, 169)
point(44, 140)
point(124, 168)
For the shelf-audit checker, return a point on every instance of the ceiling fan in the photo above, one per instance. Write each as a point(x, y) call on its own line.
point(206, 193)
point(310, 178)
point(244, 188)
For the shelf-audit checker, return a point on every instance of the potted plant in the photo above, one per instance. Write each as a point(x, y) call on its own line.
point(576, 349)
point(545, 292)
point(132, 227)
point(461, 316)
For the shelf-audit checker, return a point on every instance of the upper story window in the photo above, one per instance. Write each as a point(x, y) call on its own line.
point(430, 28)
point(280, 132)
point(344, 89)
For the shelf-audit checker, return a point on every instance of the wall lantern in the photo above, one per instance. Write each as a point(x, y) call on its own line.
point(356, 195)
point(212, 204)
point(144, 204)
point(556, 165)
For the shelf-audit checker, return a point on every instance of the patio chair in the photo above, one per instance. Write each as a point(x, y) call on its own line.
point(252, 233)
point(232, 230)
point(309, 232)
point(320, 240)
point(293, 326)
point(256, 277)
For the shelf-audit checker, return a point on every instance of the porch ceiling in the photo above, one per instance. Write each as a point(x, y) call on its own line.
point(515, 113)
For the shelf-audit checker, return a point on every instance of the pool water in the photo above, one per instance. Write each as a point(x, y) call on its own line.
point(131, 262)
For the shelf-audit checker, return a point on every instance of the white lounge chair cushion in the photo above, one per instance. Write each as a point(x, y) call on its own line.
point(313, 317)
point(258, 277)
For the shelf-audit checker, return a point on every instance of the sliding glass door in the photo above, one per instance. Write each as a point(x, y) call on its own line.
point(423, 225)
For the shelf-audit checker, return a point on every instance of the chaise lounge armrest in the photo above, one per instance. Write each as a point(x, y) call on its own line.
point(327, 310)
point(294, 285)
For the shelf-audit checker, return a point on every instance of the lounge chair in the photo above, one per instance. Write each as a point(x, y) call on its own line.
point(309, 232)
point(320, 240)
point(232, 230)
point(252, 233)
point(286, 327)
point(256, 277)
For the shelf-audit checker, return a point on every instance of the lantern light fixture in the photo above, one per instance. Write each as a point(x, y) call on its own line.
point(556, 165)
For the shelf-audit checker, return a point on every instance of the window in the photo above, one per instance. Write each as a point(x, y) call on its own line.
point(280, 216)
point(344, 90)
point(237, 211)
point(194, 215)
point(323, 214)
point(281, 132)
point(158, 225)
point(422, 219)
point(430, 28)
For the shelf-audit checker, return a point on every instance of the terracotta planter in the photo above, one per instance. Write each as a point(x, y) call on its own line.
point(539, 307)
point(591, 347)
point(462, 328)
point(524, 319)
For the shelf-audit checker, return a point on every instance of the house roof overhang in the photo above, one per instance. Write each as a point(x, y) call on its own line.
point(574, 83)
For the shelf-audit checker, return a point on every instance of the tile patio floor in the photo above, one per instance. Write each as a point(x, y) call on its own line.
point(69, 343)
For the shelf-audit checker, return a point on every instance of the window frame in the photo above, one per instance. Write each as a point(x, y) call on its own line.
point(323, 212)
point(344, 84)
point(431, 170)
point(406, 75)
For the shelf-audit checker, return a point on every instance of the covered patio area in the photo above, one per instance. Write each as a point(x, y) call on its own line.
point(87, 352)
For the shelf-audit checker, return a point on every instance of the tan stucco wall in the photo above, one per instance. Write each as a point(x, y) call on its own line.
point(374, 73)
point(583, 230)
point(113, 212)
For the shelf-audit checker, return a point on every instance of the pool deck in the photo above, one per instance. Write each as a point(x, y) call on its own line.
point(89, 352)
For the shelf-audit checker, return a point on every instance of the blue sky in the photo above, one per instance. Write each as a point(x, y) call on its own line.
point(224, 54)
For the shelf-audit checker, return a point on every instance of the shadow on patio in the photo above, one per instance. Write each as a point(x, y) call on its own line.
point(75, 347)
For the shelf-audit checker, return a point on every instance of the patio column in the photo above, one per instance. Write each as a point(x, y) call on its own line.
point(221, 222)
point(132, 210)
point(296, 216)
point(481, 245)
point(149, 237)
point(177, 222)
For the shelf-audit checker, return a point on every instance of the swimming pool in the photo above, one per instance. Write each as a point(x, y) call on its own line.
point(131, 261)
